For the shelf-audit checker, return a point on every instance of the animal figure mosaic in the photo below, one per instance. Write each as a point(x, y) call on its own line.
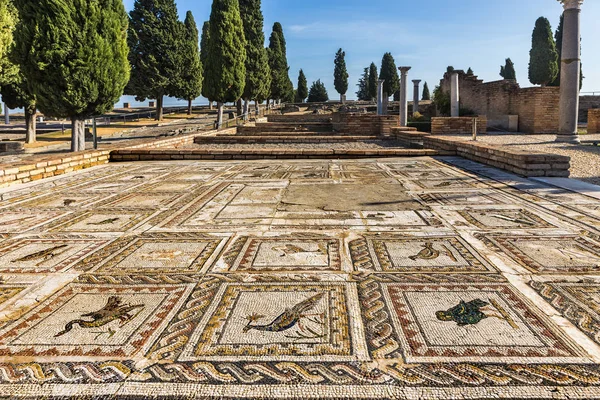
point(472, 313)
point(114, 310)
point(105, 222)
point(45, 255)
point(428, 253)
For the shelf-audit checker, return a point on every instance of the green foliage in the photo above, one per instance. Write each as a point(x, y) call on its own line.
point(155, 41)
point(318, 93)
point(441, 100)
point(543, 57)
point(421, 126)
point(258, 74)
point(450, 69)
point(7, 24)
point(278, 66)
point(372, 81)
point(426, 93)
point(470, 72)
point(340, 73)
point(73, 54)
point(225, 68)
point(204, 39)
point(363, 86)
point(190, 84)
point(389, 73)
point(507, 71)
point(302, 91)
point(467, 112)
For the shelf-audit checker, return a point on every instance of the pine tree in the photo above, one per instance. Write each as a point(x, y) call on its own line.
point(340, 74)
point(507, 71)
point(543, 62)
point(302, 92)
point(558, 37)
point(155, 42)
point(73, 55)
point(363, 86)
point(190, 84)
point(389, 73)
point(225, 68)
point(258, 75)
point(373, 77)
point(318, 93)
point(426, 93)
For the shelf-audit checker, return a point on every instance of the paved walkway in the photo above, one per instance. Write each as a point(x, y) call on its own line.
point(395, 278)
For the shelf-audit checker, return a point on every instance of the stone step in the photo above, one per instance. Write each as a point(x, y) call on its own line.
point(283, 139)
point(267, 127)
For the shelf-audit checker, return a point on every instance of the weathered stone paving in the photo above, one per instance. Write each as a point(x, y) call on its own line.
point(413, 278)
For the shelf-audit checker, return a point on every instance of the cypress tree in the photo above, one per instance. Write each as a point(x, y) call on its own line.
point(191, 66)
point(73, 55)
point(288, 90)
point(154, 37)
point(507, 71)
point(225, 68)
point(318, 93)
point(340, 74)
point(426, 93)
point(469, 71)
point(278, 68)
point(543, 57)
point(204, 55)
point(7, 24)
point(373, 82)
point(389, 73)
point(363, 86)
point(258, 76)
point(302, 92)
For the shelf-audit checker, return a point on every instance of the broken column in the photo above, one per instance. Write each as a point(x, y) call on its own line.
point(570, 72)
point(403, 99)
point(416, 93)
point(380, 96)
point(454, 96)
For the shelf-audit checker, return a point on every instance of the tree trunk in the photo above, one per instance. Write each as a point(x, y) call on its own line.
point(220, 115)
point(239, 107)
point(30, 125)
point(257, 107)
point(189, 107)
point(159, 108)
point(77, 134)
point(210, 105)
point(246, 109)
point(386, 101)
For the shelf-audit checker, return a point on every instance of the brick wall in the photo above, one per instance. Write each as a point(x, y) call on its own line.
point(594, 121)
point(364, 124)
point(457, 125)
point(586, 103)
point(538, 109)
point(299, 118)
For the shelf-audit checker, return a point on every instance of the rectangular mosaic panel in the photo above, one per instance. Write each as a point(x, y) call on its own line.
point(106, 220)
point(504, 219)
point(23, 220)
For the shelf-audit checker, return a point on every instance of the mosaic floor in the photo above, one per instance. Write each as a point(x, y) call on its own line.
point(399, 278)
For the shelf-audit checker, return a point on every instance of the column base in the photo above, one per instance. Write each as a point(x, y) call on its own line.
point(568, 138)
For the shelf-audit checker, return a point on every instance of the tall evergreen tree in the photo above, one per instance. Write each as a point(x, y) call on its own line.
point(340, 74)
point(155, 42)
point(558, 37)
point(287, 94)
point(318, 93)
point(543, 57)
point(225, 68)
point(204, 55)
point(258, 75)
point(7, 25)
point(389, 73)
point(470, 71)
point(302, 91)
point(190, 84)
point(278, 68)
point(426, 93)
point(73, 55)
point(507, 71)
point(373, 77)
point(363, 86)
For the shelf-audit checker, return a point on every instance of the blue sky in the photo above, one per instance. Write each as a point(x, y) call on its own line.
point(428, 35)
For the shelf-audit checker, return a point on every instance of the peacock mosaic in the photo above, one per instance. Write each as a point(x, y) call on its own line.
point(396, 278)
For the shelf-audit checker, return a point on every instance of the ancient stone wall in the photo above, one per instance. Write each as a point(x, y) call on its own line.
point(594, 120)
point(457, 125)
point(364, 124)
point(586, 103)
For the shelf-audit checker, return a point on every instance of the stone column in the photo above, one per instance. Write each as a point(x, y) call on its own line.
point(6, 115)
point(570, 73)
point(416, 93)
point(380, 96)
point(454, 96)
point(403, 89)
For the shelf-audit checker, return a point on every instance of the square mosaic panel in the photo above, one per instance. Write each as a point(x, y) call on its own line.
point(103, 321)
point(279, 321)
point(299, 253)
point(395, 253)
point(46, 254)
point(107, 220)
point(463, 322)
point(579, 302)
point(155, 253)
point(19, 221)
point(549, 254)
point(504, 219)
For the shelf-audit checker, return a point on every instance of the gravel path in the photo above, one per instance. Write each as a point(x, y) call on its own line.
point(585, 159)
